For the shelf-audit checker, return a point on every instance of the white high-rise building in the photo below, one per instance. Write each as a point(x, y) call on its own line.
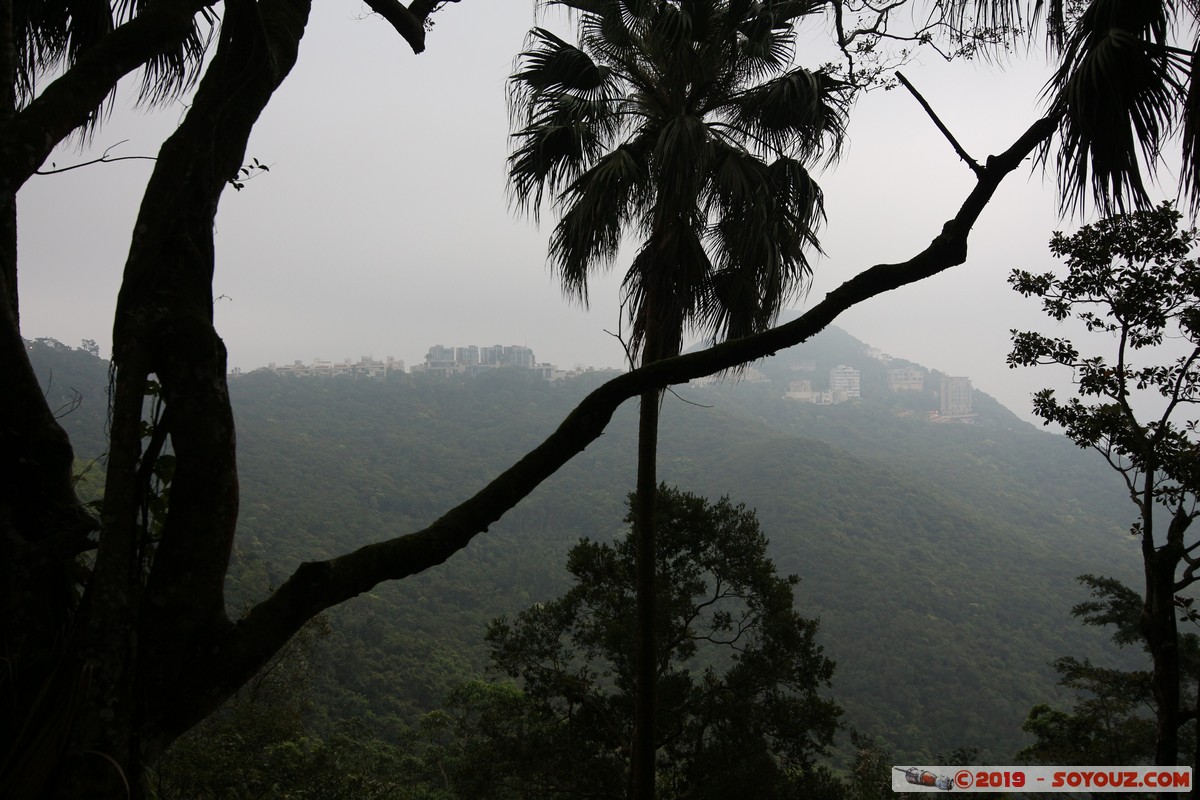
point(956, 396)
point(844, 383)
point(906, 379)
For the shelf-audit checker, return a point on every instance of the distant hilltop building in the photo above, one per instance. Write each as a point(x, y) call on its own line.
point(803, 391)
point(906, 379)
point(746, 374)
point(366, 367)
point(844, 383)
point(442, 360)
point(878, 355)
point(956, 397)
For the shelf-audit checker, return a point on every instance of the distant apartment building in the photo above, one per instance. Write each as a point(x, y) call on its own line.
point(506, 356)
point(956, 397)
point(844, 383)
point(844, 388)
point(803, 391)
point(442, 360)
point(906, 379)
point(746, 374)
point(466, 355)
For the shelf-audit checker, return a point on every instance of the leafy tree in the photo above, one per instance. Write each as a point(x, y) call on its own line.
point(1130, 281)
point(1109, 723)
point(686, 122)
point(115, 634)
point(738, 669)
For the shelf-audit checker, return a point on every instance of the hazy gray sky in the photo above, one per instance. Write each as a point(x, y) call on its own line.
point(383, 226)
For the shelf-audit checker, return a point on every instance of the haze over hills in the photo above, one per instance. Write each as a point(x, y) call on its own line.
point(940, 557)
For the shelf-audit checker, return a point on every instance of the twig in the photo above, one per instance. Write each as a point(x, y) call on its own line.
point(678, 397)
point(624, 346)
point(103, 159)
point(958, 148)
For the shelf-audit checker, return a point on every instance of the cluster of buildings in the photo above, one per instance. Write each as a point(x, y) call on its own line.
point(844, 385)
point(439, 360)
point(954, 393)
point(366, 367)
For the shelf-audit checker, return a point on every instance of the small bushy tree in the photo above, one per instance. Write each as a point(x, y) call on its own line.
point(739, 671)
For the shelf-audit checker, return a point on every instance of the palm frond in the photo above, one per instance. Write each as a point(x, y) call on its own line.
point(796, 110)
point(174, 72)
point(52, 35)
point(1117, 93)
point(1008, 14)
point(554, 64)
point(553, 150)
point(1190, 176)
point(49, 36)
point(767, 218)
point(605, 30)
point(596, 208)
point(679, 156)
point(665, 286)
point(767, 52)
point(671, 28)
point(787, 13)
point(562, 98)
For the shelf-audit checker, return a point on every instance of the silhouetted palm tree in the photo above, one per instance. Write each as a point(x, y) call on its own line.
point(684, 123)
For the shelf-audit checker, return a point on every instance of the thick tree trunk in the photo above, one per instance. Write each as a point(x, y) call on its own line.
point(1162, 639)
point(1159, 625)
point(153, 605)
point(42, 527)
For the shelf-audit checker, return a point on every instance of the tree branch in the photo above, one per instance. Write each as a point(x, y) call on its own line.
point(104, 158)
point(408, 21)
point(958, 148)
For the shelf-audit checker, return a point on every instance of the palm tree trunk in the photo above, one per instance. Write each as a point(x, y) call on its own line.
point(646, 673)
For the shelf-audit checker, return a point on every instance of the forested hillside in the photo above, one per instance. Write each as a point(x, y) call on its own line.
point(940, 558)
